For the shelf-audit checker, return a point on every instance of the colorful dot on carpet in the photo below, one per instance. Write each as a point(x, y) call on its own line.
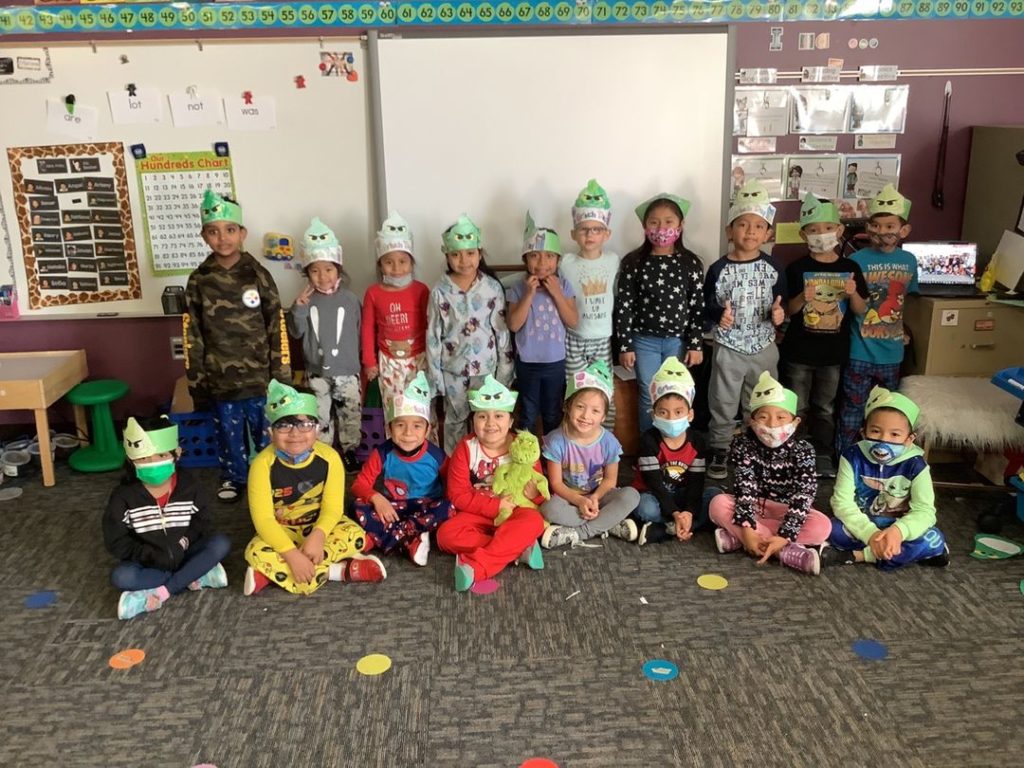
point(872, 650)
point(41, 599)
point(373, 664)
point(660, 670)
point(484, 587)
point(127, 659)
point(538, 762)
point(712, 581)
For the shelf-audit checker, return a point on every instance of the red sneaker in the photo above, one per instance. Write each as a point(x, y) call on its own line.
point(419, 549)
point(367, 568)
point(254, 581)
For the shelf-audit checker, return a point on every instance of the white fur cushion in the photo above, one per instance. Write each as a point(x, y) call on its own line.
point(963, 412)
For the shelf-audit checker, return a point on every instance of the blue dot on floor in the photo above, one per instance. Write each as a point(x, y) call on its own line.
point(41, 599)
point(872, 650)
point(661, 670)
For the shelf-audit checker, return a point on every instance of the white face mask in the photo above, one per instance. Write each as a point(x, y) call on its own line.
point(397, 282)
point(823, 243)
point(773, 437)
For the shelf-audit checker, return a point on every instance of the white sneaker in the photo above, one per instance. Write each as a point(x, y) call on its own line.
point(625, 530)
point(559, 536)
point(419, 551)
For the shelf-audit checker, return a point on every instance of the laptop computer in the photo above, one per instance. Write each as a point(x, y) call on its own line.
point(945, 268)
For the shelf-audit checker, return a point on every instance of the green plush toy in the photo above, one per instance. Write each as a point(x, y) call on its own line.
point(512, 478)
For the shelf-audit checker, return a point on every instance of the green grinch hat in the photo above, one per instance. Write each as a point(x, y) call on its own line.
point(682, 203)
point(319, 243)
point(768, 391)
point(815, 211)
point(881, 397)
point(283, 400)
point(890, 201)
point(990, 547)
point(138, 443)
point(592, 205)
point(540, 238)
point(492, 396)
point(594, 376)
point(463, 235)
point(752, 197)
point(217, 208)
point(394, 235)
point(414, 401)
point(672, 378)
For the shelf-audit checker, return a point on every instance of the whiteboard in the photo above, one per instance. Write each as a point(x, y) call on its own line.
point(314, 164)
point(492, 125)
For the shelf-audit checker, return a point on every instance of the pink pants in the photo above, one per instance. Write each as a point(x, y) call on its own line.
point(815, 530)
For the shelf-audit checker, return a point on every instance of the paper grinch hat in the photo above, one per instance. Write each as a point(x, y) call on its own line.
point(319, 243)
point(890, 201)
point(752, 197)
point(682, 203)
point(881, 397)
point(592, 205)
point(394, 235)
point(990, 547)
point(463, 235)
point(283, 400)
point(540, 238)
point(815, 211)
point(768, 391)
point(217, 208)
point(492, 396)
point(414, 401)
point(672, 378)
point(138, 443)
point(594, 376)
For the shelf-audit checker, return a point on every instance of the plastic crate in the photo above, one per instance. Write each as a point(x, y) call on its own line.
point(197, 437)
point(371, 432)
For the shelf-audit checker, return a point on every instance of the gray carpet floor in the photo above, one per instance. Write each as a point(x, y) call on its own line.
point(767, 674)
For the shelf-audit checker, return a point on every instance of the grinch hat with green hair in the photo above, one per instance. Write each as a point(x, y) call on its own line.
point(681, 202)
point(815, 211)
point(752, 197)
point(140, 443)
point(672, 378)
point(880, 397)
point(889, 201)
point(492, 396)
point(768, 391)
point(540, 238)
point(414, 401)
point(217, 208)
point(463, 235)
point(594, 376)
point(319, 243)
point(592, 205)
point(283, 401)
point(394, 235)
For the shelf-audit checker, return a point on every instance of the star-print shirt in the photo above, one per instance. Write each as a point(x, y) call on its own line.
point(660, 296)
point(751, 287)
point(542, 337)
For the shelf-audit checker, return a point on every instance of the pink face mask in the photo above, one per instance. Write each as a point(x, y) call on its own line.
point(661, 238)
point(773, 437)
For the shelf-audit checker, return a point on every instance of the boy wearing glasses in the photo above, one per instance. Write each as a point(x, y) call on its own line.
point(296, 498)
point(592, 274)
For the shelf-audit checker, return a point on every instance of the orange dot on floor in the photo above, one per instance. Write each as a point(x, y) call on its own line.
point(538, 762)
point(127, 658)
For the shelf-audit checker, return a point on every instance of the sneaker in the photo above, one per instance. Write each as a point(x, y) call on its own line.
point(625, 530)
point(131, 604)
point(464, 575)
point(800, 558)
point(937, 561)
point(254, 581)
point(350, 462)
point(215, 578)
point(718, 467)
point(653, 533)
point(725, 542)
point(830, 557)
point(228, 492)
point(364, 568)
point(824, 467)
point(533, 557)
point(559, 536)
point(419, 549)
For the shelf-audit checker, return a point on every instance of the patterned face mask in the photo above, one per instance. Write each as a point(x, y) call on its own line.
point(884, 240)
point(823, 243)
point(773, 437)
point(660, 238)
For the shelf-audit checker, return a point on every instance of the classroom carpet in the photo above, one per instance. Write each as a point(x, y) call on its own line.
point(548, 666)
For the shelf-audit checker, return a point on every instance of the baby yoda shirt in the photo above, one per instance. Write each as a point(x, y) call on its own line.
point(582, 465)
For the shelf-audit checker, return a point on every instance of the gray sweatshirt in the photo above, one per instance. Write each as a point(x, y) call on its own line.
point(329, 329)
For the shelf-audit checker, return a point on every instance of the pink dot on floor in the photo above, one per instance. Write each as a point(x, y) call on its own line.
point(484, 587)
point(538, 762)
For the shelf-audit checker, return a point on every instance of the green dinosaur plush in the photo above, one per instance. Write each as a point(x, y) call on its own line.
point(512, 478)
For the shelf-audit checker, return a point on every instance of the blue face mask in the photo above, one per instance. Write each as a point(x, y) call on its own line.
point(883, 452)
point(287, 457)
point(671, 427)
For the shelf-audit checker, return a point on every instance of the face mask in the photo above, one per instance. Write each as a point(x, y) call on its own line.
point(773, 437)
point(660, 238)
point(823, 243)
point(157, 473)
point(332, 289)
point(397, 282)
point(883, 452)
point(887, 240)
point(671, 427)
point(287, 457)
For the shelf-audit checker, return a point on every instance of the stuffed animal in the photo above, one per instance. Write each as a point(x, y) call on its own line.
point(512, 478)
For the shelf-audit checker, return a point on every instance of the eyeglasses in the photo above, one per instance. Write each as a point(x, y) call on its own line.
point(592, 230)
point(290, 426)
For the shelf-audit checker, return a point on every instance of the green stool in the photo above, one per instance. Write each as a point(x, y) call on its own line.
point(106, 452)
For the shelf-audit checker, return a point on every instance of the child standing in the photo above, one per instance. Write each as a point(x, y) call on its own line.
point(670, 466)
point(157, 523)
point(659, 307)
point(542, 305)
point(883, 499)
point(400, 492)
point(775, 484)
point(326, 317)
point(235, 340)
point(583, 467)
point(467, 337)
point(876, 346)
point(483, 549)
point(592, 274)
point(296, 497)
point(743, 298)
point(822, 288)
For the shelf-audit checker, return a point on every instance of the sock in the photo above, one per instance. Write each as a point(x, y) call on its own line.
point(162, 593)
point(336, 572)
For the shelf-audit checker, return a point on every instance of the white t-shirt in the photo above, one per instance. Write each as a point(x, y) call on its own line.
point(594, 283)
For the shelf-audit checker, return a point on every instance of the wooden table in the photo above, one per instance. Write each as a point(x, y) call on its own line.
point(34, 381)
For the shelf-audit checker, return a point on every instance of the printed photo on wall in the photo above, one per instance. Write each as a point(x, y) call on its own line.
point(818, 174)
point(761, 112)
point(765, 168)
point(820, 110)
point(879, 108)
point(863, 178)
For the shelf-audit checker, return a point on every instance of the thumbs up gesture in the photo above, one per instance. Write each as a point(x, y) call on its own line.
point(727, 317)
point(778, 313)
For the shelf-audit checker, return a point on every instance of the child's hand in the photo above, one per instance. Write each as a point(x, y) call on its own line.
point(850, 286)
point(877, 544)
point(628, 360)
point(552, 285)
point(727, 317)
point(588, 507)
point(384, 509)
point(684, 522)
point(505, 504)
point(301, 566)
point(808, 293)
point(530, 490)
point(372, 372)
point(693, 357)
point(313, 546)
point(303, 298)
point(892, 540)
point(771, 547)
point(532, 284)
point(751, 541)
point(778, 313)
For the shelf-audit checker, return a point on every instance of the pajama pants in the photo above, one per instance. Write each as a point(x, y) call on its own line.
point(580, 352)
point(816, 387)
point(200, 558)
point(340, 394)
point(415, 516)
point(344, 541)
point(541, 391)
point(485, 548)
point(858, 380)
point(930, 544)
point(733, 376)
point(814, 532)
point(395, 374)
point(456, 406)
point(238, 422)
point(616, 506)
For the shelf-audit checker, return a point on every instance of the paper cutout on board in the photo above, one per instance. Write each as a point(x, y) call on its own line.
point(251, 113)
point(81, 124)
point(195, 106)
point(135, 105)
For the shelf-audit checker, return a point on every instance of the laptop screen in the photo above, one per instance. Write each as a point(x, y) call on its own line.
point(945, 263)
